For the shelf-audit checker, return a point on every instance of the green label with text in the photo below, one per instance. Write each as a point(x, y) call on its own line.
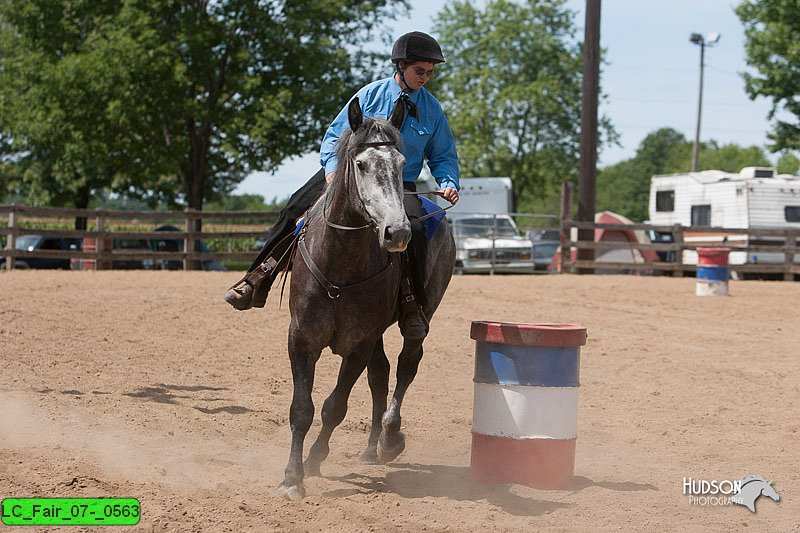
point(70, 511)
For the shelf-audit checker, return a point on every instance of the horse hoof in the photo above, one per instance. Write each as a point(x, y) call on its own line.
point(388, 451)
point(292, 492)
point(369, 457)
point(312, 469)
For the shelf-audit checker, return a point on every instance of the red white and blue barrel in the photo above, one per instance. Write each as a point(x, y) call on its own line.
point(525, 409)
point(712, 272)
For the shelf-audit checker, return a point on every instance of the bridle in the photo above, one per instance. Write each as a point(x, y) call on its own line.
point(335, 291)
point(371, 224)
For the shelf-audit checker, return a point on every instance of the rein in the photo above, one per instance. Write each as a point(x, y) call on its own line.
point(429, 215)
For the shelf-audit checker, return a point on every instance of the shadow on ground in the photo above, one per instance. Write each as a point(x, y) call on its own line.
point(438, 481)
point(163, 393)
point(410, 480)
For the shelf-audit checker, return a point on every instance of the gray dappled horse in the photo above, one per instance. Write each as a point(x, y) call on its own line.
point(344, 293)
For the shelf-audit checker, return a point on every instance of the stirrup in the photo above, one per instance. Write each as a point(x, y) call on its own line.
point(414, 325)
point(252, 289)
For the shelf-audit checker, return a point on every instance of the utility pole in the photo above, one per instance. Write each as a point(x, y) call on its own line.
point(588, 149)
point(710, 40)
point(696, 147)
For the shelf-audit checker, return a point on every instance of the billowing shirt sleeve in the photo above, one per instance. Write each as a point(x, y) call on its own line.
point(327, 151)
point(442, 155)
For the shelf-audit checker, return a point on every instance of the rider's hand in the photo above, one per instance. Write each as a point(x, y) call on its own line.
point(450, 194)
point(329, 177)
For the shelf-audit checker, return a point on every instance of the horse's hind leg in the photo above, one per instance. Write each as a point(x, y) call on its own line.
point(392, 441)
point(301, 414)
point(378, 374)
point(335, 407)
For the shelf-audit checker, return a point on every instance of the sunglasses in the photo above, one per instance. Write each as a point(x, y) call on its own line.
point(423, 72)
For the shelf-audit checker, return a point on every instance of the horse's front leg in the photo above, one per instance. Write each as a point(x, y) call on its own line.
point(335, 407)
point(301, 414)
point(392, 441)
point(378, 375)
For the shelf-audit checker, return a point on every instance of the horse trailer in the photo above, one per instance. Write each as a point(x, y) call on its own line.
point(756, 197)
point(478, 195)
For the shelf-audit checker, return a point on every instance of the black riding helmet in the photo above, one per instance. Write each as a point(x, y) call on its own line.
point(417, 46)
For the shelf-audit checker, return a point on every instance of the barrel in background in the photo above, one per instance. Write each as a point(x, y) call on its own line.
point(712, 272)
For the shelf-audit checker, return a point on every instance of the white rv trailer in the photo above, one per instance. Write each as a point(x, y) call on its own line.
point(754, 198)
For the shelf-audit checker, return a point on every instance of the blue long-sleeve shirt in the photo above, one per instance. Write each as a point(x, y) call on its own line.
point(428, 137)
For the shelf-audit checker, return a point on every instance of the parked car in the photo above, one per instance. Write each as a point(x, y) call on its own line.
point(176, 245)
point(486, 243)
point(657, 237)
point(31, 243)
point(545, 244)
point(128, 245)
point(163, 244)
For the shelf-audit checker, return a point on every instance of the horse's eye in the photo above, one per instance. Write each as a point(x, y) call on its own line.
point(360, 164)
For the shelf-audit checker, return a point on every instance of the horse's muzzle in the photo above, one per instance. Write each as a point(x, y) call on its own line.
point(396, 237)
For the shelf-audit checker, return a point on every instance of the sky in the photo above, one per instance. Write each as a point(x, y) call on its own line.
point(650, 79)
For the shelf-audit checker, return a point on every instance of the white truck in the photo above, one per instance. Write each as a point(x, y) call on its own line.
point(487, 238)
point(756, 197)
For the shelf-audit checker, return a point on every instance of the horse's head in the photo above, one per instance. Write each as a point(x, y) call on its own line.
point(768, 491)
point(370, 159)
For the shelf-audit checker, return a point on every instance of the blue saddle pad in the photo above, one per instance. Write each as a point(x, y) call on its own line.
point(431, 224)
point(299, 226)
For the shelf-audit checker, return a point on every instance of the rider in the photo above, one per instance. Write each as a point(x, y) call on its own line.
point(426, 135)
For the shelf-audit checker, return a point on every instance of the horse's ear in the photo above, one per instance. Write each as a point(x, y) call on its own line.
point(398, 114)
point(354, 114)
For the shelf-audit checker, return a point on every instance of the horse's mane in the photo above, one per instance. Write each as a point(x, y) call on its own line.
point(373, 129)
point(749, 479)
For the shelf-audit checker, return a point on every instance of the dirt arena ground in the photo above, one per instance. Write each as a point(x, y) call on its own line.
point(148, 385)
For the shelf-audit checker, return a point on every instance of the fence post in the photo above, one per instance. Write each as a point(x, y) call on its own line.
point(566, 216)
point(11, 242)
point(494, 240)
point(188, 242)
point(677, 238)
point(789, 251)
point(100, 245)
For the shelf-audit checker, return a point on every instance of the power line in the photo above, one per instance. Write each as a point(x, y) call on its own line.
point(660, 101)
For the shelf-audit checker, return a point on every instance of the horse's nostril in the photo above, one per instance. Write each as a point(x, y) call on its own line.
point(387, 234)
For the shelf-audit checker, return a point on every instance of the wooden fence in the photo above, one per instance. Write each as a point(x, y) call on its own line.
point(777, 248)
point(105, 226)
point(754, 251)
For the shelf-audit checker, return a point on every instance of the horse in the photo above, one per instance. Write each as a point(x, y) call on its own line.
point(752, 488)
point(344, 294)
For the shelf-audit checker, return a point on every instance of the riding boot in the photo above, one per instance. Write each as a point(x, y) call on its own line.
point(252, 290)
point(413, 322)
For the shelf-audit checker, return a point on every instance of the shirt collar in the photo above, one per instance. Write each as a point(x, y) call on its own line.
point(397, 90)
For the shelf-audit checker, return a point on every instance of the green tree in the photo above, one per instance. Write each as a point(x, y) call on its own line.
point(732, 157)
point(245, 202)
point(788, 164)
point(170, 100)
point(625, 187)
point(772, 28)
point(511, 89)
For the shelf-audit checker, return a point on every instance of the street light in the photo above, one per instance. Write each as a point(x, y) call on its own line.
point(710, 40)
